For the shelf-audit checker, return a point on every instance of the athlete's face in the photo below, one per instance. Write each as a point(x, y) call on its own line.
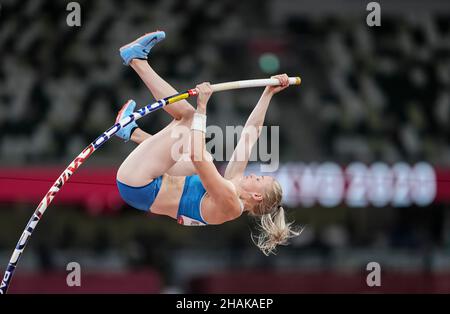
point(256, 185)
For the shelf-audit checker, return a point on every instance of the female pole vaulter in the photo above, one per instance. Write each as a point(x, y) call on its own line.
point(191, 189)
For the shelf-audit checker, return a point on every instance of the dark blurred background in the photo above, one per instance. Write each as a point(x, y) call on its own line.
point(364, 151)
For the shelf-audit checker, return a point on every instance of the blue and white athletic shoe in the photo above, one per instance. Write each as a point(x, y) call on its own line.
point(140, 48)
point(127, 109)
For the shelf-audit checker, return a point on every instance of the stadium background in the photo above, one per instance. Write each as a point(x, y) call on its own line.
point(373, 99)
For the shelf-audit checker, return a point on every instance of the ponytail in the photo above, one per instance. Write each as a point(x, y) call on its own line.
point(274, 231)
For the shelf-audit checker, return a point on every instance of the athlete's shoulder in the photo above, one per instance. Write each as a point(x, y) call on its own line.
point(234, 202)
point(226, 208)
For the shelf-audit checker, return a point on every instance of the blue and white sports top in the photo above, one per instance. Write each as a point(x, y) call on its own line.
point(189, 209)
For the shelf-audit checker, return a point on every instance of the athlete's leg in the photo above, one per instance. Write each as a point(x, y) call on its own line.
point(139, 135)
point(132, 131)
point(157, 154)
point(183, 167)
point(160, 88)
point(136, 54)
point(154, 156)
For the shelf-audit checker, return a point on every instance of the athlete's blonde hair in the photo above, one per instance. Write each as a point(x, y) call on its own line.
point(275, 230)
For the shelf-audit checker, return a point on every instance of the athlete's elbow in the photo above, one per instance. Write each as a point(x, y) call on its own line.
point(196, 155)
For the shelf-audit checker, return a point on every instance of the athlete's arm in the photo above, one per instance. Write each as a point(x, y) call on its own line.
point(252, 130)
point(216, 186)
